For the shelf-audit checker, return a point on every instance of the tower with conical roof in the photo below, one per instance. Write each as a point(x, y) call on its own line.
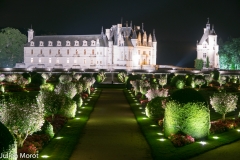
point(207, 47)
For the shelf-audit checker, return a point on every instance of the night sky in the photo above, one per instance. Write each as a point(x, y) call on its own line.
point(178, 24)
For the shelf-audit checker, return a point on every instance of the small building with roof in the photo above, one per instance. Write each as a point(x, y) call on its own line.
point(207, 48)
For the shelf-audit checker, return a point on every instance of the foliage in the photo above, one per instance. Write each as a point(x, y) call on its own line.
point(122, 77)
point(45, 76)
point(198, 64)
point(47, 128)
point(65, 79)
point(77, 76)
point(229, 54)
point(68, 108)
point(176, 78)
point(190, 118)
point(7, 142)
point(144, 86)
point(163, 80)
point(207, 62)
point(221, 80)
point(220, 126)
point(87, 82)
point(136, 86)
point(199, 82)
point(11, 47)
point(68, 89)
point(181, 139)
point(100, 77)
point(47, 86)
point(154, 108)
point(50, 101)
point(187, 95)
point(209, 78)
point(224, 103)
point(22, 117)
point(180, 84)
point(153, 93)
point(11, 78)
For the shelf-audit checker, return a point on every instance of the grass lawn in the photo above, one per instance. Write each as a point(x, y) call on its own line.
point(62, 145)
point(162, 148)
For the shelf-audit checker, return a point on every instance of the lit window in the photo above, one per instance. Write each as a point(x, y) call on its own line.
point(40, 51)
point(68, 52)
point(204, 55)
point(84, 51)
point(75, 61)
point(100, 62)
point(57, 61)
point(39, 60)
point(50, 52)
point(32, 51)
point(93, 51)
point(31, 60)
point(50, 60)
point(67, 60)
point(76, 51)
point(84, 61)
point(59, 51)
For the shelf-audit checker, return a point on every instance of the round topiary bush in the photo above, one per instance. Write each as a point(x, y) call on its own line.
point(68, 108)
point(8, 145)
point(154, 108)
point(47, 128)
point(187, 95)
point(190, 118)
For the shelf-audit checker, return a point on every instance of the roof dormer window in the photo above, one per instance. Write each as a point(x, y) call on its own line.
point(84, 43)
point(68, 43)
point(31, 43)
point(41, 43)
point(93, 43)
point(49, 43)
point(76, 43)
point(58, 43)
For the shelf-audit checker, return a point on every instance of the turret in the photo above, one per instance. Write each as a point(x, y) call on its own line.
point(150, 40)
point(30, 34)
point(139, 42)
point(145, 39)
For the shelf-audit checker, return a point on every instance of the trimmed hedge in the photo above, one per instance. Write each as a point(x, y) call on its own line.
point(154, 108)
point(190, 118)
point(8, 146)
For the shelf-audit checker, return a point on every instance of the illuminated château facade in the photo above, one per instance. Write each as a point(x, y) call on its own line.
point(118, 48)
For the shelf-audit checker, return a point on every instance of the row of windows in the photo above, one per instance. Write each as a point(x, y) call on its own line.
point(144, 53)
point(59, 52)
point(68, 43)
point(57, 61)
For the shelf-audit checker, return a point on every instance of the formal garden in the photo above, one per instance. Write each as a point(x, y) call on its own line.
point(180, 115)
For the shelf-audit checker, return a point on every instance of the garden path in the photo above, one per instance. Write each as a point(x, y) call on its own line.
point(112, 132)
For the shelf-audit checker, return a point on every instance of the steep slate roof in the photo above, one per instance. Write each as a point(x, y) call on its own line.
point(72, 38)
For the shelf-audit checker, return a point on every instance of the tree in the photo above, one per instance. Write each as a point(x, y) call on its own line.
point(207, 62)
point(224, 103)
point(229, 54)
point(198, 64)
point(11, 47)
point(22, 117)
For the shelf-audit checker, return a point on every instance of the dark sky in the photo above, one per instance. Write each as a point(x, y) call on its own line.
point(178, 23)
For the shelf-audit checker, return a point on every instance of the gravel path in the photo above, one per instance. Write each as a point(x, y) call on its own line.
point(112, 133)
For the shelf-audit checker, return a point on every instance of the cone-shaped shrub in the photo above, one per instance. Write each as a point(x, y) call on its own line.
point(190, 118)
point(68, 108)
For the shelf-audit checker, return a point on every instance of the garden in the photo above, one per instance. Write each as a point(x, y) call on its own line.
point(185, 115)
point(180, 115)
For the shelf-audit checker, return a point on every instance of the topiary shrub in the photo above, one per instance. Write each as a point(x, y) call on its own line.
point(154, 108)
point(187, 95)
point(47, 128)
point(190, 118)
point(180, 84)
point(68, 108)
point(8, 145)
